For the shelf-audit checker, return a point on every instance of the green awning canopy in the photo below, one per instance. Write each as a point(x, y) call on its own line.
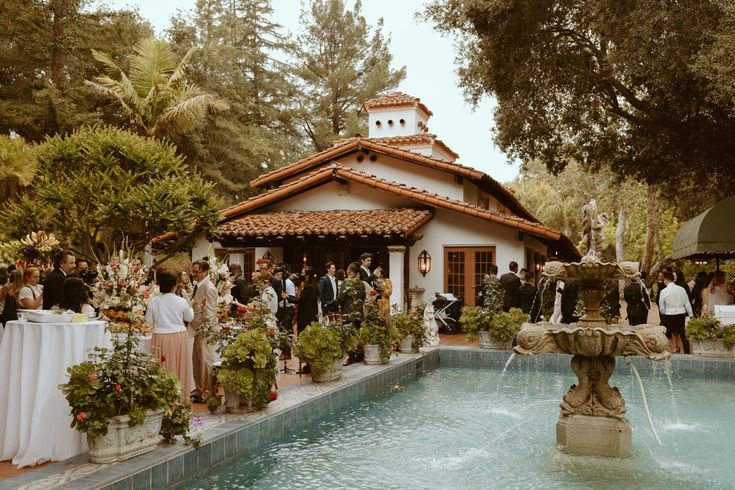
point(709, 235)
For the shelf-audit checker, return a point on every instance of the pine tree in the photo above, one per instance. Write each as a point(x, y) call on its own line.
point(45, 55)
point(341, 63)
point(237, 55)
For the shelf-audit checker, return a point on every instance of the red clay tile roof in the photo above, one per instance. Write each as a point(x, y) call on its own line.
point(337, 171)
point(397, 99)
point(408, 140)
point(343, 147)
point(401, 221)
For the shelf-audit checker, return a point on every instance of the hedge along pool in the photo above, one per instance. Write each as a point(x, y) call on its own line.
point(470, 428)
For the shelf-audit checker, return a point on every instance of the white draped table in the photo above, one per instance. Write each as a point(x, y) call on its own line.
point(35, 417)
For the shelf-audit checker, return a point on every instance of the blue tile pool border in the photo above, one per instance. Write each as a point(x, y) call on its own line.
point(172, 466)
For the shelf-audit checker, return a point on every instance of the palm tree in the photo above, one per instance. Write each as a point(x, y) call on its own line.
point(17, 165)
point(155, 93)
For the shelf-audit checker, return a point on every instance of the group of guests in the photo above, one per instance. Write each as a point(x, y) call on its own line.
point(65, 286)
point(297, 300)
point(518, 289)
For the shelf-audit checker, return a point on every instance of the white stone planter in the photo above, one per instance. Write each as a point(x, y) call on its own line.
point(332, 373)
point(372, 354)
point(711, 348)
point(488, 342)
point(234, 403)
point(122, 442)
point(406, 345)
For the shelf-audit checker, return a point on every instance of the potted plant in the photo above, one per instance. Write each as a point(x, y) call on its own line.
point(411, 331)
point(475, 323)
point(125, 401)
point(324, 349)
point(504, 326)
point(495, 331)
point(709, 338)
point(248, 370)
point(376, 336)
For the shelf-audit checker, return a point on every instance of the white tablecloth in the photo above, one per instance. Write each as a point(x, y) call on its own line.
point(35, 417)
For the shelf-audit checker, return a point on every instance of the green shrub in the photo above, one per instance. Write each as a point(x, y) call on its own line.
point(411, 323)
point(319, 346)
point(249, 366)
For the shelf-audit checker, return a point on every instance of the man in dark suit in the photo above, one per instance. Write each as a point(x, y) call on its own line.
point(638, 302)
point(352, 294)
point(328, 290)
point(240, 290)
point(366, 260)
point(527, 292)
point(511, 285)
point(53, 287)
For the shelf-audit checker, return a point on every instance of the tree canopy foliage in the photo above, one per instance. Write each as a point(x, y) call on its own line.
point(45, 56)
point(238, 54)
point(155, 95)
point(340, 65)
point(557, 200)
point(643, 87)
point(97, 187)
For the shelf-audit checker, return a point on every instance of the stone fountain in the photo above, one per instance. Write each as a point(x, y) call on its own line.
point(592, 419)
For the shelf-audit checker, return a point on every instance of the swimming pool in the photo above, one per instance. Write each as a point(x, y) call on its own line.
point(470, 428)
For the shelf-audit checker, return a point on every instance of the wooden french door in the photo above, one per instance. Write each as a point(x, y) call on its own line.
point(464, 268)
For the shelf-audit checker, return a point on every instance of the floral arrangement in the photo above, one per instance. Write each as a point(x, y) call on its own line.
point(122, 295)
point(222, 280)
point(38, 247)
point(125, 381)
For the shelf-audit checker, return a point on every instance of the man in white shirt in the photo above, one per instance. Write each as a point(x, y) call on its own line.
point(674, 307)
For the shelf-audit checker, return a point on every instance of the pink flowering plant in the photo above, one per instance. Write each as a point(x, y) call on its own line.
point(125, 381)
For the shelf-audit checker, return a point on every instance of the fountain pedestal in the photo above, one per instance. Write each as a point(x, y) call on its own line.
point(594, 436)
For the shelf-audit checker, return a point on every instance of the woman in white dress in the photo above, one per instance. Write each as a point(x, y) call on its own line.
point(168, 313)
point(31, 295)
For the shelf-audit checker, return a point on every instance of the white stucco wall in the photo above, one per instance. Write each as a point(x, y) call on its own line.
point(410, 174)
point(450, 229)
point(202, 248)
point(410, 115)
point(336, 196)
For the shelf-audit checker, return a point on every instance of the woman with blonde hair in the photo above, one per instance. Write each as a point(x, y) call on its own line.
point(31, 295)
point(715, 294)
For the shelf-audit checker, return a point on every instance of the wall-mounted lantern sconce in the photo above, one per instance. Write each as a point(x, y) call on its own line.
point(268, 255)
point(424, 262)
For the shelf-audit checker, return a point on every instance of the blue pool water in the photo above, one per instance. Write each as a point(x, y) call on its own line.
point(466, 428)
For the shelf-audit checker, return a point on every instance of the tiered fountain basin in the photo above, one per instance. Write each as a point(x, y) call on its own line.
point(592, 419)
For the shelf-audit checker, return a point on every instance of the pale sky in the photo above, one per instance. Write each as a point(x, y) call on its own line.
point(431, 73)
